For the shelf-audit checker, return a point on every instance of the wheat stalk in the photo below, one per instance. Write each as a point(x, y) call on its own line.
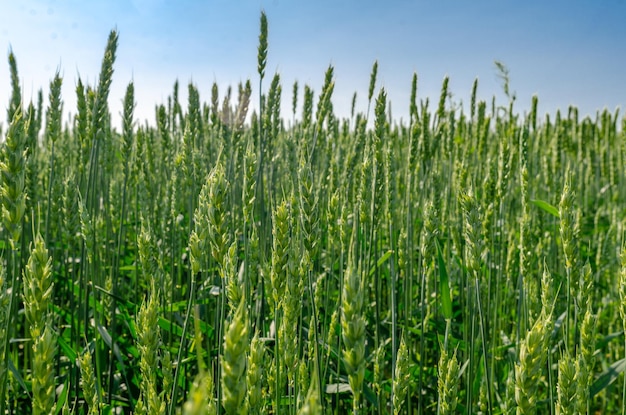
point(529, 369)
point(235, 347)
point(448, 383)
point(38, 288)
point(88, 383)
point(254, 375)
point(532, 352)
point(566, 387)
point(200, 400)
point(402, 376)
point(353, 328)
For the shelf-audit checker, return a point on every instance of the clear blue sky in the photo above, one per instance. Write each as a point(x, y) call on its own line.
point(566, 52)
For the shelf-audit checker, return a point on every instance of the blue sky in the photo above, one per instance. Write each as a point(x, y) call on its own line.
point(566, 52)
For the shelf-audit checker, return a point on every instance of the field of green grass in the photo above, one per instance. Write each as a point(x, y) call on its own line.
point(468, 260)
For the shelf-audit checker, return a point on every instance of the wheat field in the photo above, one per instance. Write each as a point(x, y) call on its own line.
point(217, 260)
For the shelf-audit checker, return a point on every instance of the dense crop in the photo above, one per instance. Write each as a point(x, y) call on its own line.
point(471, 260)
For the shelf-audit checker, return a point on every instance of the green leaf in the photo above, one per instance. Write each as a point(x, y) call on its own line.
point(558, 323)
point(607, 377)
point(170, 327)
point(333, 388)
point(106, 337)
point(62, 398)
point(444, 285)
point(546, 207)
point(380, 262)
point(603, 342)
point(18, 377)
point(67, 349)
